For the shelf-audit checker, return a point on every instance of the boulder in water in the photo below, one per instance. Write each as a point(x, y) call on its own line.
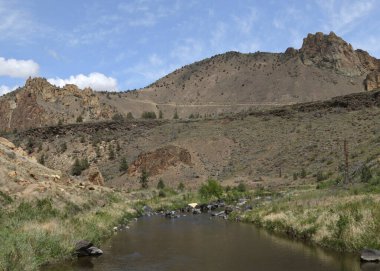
point(86, 248)
point(370, 255)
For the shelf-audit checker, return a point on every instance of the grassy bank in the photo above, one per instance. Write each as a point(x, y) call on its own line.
point(42, 231)
point(344, 218)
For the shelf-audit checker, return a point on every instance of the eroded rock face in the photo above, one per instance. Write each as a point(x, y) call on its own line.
point(160, 159)
point(372, 81)
point(20, 174)
point(40, 103)
point(94, 176)
point(332, 52)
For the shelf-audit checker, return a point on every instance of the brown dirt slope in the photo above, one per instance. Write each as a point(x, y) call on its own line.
point(252, 147)
point(326, 66)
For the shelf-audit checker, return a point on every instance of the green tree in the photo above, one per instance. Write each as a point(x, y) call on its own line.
point(303, 173)
point(30, 145)
point(79, 119)
point(295, 176)
point(76, 169)
point(63, 147)
point(160, 114)
point(79, 166)
point(148, 115)
point(111, 153)
point(123, 165)
point(181, 186)
point(211, 189)
point(365, 174)
point(175, 116)
point(118, 117)
point(160, 184)
point(130, 116)
point(84, 163)
point(241, 188)
point(144, 179)
point(162, 194)
point(41, 159)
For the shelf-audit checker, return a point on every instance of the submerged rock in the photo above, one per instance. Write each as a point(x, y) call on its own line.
point(171, 214)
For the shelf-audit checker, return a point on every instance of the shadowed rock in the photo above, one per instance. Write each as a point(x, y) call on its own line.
point(370, 255)
point(86, 248)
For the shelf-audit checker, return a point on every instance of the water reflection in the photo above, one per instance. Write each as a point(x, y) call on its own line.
point(200, 243)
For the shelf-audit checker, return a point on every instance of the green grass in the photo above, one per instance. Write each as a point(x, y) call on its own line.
point(331, 216)
point(38, 232)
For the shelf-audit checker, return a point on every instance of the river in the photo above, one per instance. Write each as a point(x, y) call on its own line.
point(199, 242)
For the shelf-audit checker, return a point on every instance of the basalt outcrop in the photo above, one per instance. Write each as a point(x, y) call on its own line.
point(159, 160)
point(332, 52)
point(40, 103)
point(372, 80)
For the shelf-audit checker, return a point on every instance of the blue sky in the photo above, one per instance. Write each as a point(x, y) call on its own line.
point(120, 45)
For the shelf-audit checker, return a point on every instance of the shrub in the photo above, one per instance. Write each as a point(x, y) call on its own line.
point(118, 117)
point(181, 186)
point(130, 116)
point(160, 184)
point(295, 176)
point(63, 147)
point(111, 154)
point(79, 166)
point(41, 159)
point(211, 189)
point(144, 179)
point(123, 165)
point(303, 173)
point(365, 174)
point(30, 145)
point(175, 116)
point(76, 169)
point(79, 119)
point(241, 188)
point(162, 194)
point(148, 115)
point(160, 115)
point(321, 176)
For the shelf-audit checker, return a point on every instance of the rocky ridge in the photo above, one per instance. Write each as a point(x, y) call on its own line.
point(325, 66)
point(40, 103)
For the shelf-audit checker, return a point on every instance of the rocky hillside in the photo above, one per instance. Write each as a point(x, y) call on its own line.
point(325, 66)
point(21, 176)
point(39, 103)
point(261, 147)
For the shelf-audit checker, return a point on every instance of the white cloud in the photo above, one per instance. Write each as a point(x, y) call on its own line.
point(369, 43)
point(18, 68)
point(218, 35)
point(95, 80)
point(17, 24)
point(147, 13)
point(5, 89)
point(245, 23)
point(343, 15)
point(155, 60)
point(54, 54)
point(188, 51)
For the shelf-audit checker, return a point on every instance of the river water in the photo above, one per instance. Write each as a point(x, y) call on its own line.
point(195, 243)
